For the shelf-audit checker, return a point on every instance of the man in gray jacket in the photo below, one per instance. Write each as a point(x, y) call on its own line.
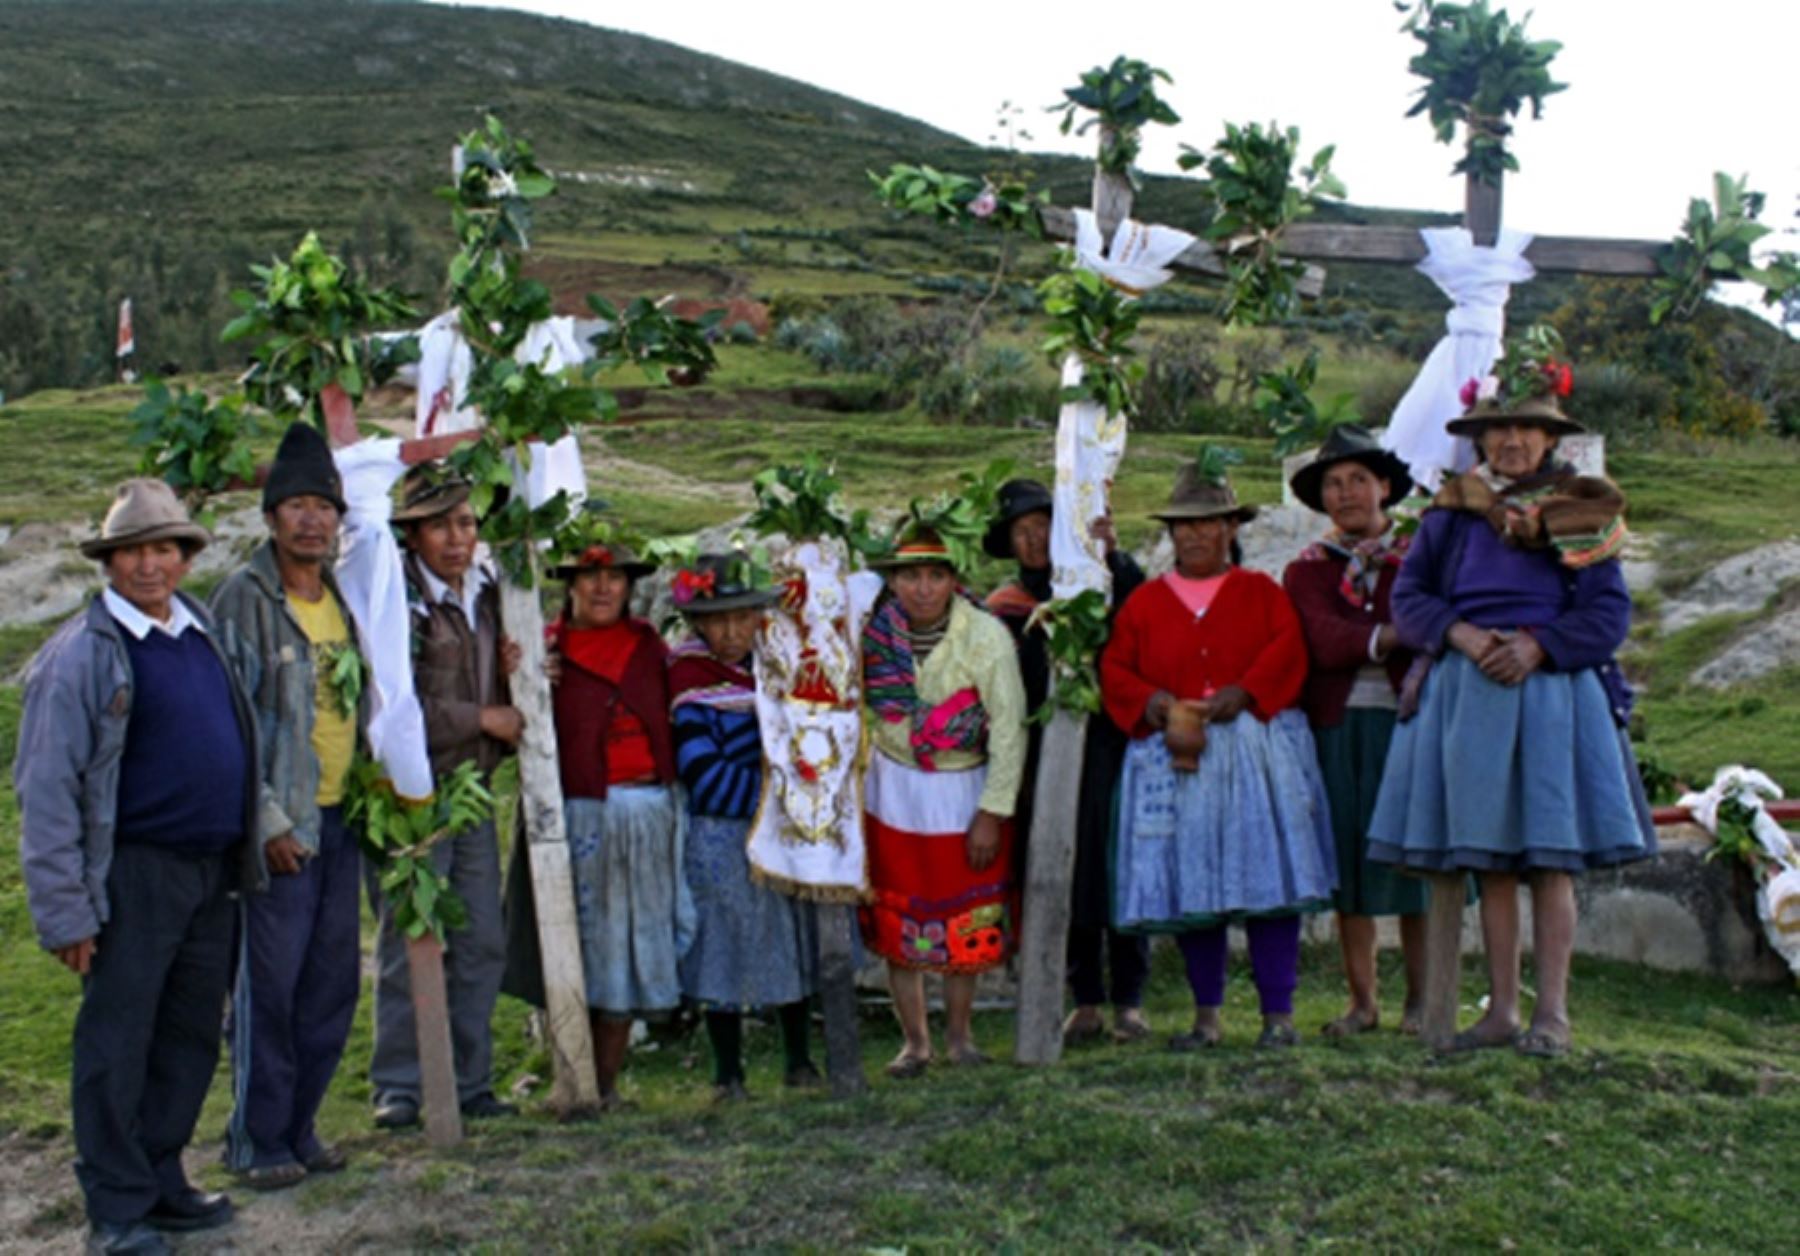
point(293, 640)
point(136, 777)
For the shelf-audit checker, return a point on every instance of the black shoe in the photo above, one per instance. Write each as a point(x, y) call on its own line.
point(485, 1107)
point(134, 1238)
point(396, 1114)
point(192, 1210)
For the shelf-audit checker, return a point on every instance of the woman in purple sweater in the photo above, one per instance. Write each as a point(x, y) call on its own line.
point(1516, 763)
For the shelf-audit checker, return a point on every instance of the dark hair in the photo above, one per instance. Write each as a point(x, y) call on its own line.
point(1237, 553)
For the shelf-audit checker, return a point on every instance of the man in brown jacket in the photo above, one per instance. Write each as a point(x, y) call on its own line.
point(460, 664)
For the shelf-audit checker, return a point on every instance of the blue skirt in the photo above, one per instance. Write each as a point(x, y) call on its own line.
point(1510, 778)
point(752, 947)
point(1249, 834)
point(631, 903)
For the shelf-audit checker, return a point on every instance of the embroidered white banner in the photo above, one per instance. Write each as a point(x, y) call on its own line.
point(1778, 895)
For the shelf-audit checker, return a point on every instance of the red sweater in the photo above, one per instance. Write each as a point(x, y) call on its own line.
point(1337, 635)
point(1249, 637)
point(586, 704)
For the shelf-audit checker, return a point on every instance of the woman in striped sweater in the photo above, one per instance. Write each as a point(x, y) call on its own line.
point(754, 948)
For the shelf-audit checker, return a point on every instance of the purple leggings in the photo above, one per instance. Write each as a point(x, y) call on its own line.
point(1274, 962)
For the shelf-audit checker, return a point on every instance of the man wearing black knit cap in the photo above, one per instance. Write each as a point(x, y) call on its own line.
point(294, 641)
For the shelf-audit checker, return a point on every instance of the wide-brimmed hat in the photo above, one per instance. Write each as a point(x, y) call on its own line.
point(303, 467)
point(1015, 500)
point(145, 510)
point(1533, 411)
point(1197, 496)
point(615, 554)
point(1351, 442)
point(429, 490)
point(715, 583)
point(914, 545)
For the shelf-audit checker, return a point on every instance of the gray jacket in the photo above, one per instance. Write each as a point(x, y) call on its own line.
point(78, 693)
point(274, 659)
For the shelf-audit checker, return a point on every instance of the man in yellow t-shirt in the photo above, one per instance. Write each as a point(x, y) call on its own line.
point(294, 643)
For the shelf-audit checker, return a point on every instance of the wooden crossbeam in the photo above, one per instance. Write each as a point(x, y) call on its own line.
point(1348, 242)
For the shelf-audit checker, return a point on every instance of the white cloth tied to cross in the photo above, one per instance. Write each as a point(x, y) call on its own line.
point(1478, 281)
point(1090, 442)
point(1778, 895)
point(445, 364)
point(373, 582)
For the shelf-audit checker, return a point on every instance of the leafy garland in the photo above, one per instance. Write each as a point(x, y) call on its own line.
point(1122, 97)
point(1075, 630)
point(804, 501)
point(961, 199)
point(309, 314)
point(668, 349)
point(343, 673)
point(400, 832)
point(197, 446)
point(1284, 400)
point(1532, 367)
point(1254, 195)
point(1480, 69)
point(1715, 240)
point(1095, 321)
point(961, 519)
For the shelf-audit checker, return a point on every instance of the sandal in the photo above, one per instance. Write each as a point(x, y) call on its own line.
point(326, 1160)
point(273, 1177)
point(970, 1057)
point(904, 1068)
point(1129, 1029)
point(1196, 1040)
point(1078, 1031)
point(1351, 1024)
point(1541, 1044)
point(1470, 1040)
point(1277, 1038)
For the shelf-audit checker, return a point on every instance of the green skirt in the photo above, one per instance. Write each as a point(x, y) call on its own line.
point(1351, 758)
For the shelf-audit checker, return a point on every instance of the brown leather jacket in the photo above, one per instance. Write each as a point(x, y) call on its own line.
point(456, 672)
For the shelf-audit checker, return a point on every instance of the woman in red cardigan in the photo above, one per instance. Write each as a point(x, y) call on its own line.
point(1211, 656)
point(1341, 587)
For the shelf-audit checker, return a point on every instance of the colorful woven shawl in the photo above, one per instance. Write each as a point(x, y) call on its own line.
point(1363, 558)
point(696, 676)
point(890, 680)
point(1581, 517)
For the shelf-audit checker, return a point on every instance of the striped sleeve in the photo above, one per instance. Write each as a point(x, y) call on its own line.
point(718, 755)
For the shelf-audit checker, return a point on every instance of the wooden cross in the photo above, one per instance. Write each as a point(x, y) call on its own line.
point(1044, 935)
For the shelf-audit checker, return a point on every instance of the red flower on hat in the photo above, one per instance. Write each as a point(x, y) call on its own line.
point(691, 584)
point(1468, 393)
point(1565, 380)
point(595, 556)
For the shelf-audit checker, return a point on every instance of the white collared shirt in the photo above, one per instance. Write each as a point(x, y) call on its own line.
point(474, 581)
point(138, 624)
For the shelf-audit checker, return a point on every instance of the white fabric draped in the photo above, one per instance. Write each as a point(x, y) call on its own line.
point(445, 364)
point(1778, 895)
point(1478, 282)
point(372, 581)
point(807, 838)
point(1089, 442)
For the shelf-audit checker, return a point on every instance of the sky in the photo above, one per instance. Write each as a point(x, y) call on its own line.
point(1660, 95)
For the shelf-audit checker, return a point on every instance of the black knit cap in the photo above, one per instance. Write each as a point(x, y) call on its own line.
point(303, 467)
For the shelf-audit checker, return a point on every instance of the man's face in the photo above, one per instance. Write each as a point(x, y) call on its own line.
point(304, 528)
point(147, 574)
point(445, 543)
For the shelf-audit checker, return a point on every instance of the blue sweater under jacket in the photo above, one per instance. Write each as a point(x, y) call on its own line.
point(718, 755)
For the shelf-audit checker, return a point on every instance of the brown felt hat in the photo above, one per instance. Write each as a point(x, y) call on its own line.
point(1196, 497)
point(1533, 411)
point(428, 491)
point(1350, 442)
point(145, 510)
point(914, 545)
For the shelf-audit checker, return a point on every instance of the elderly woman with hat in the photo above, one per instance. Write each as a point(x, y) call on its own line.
point(1516, 764)
point(942, 681)
point(1222, 817)
point(1341, 587)
point(460, 662)
point(1020, 531)
point(753, 947)
point(624, 820)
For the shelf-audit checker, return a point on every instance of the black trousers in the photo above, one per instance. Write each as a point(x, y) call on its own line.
point(147, 1035)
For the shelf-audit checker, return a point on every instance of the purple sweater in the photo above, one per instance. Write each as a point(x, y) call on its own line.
point(1459, 568)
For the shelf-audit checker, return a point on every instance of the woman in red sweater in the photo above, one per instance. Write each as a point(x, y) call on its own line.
point(1243, 836)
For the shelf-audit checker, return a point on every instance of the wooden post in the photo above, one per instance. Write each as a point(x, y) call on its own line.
point(1443, 961)
point(431, 1020)
point(837, 995)
point(574, 1089)
point(1044, 927)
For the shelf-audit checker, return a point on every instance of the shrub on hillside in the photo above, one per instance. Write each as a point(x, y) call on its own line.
point(1181, 380)
point(1620, 402)
point(1380, 394)
point(1002, 385)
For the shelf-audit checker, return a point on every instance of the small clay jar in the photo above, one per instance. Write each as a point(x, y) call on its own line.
point(1185, 734)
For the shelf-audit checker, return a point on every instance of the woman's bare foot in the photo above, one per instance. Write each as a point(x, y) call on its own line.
point(1130, 1025)
point(1489, 1031)
point(1085, 1024)
point(1358, 1020)
point(1412, 1020)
